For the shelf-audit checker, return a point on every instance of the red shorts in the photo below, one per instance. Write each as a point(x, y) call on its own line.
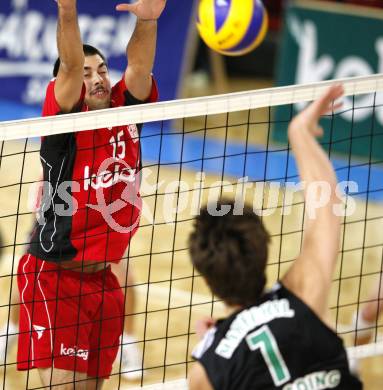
point(68, 320)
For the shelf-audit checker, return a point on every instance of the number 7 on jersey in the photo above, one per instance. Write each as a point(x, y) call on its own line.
point(264, 340)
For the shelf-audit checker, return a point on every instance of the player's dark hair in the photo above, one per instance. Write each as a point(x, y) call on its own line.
point(230, 252)
point(88, 51)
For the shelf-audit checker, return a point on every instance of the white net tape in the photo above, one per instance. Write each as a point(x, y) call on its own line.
point(365, 351)
point(11, 130)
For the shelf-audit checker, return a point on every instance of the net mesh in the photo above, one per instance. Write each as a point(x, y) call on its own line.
point(194, 151)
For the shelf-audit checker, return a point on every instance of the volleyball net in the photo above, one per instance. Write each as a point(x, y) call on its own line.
point(194, 151)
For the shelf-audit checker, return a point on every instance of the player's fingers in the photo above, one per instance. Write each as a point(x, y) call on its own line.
point(318, 131)
point(126, 7)
point(336, 106)
point(333, 107)
point(320, 106)
point(335, 94)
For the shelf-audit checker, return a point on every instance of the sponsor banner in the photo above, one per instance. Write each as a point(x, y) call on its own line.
point(28, 44)
point(322, 42)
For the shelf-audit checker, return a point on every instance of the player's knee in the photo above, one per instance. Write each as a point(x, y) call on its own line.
point(64, 380)
point(94, 384)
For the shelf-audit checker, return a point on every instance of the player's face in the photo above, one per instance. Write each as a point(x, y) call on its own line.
point(97, 82)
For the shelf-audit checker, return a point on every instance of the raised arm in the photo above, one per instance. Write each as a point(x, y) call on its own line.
point(142, 46)
point(71, 72)
point(310, 276)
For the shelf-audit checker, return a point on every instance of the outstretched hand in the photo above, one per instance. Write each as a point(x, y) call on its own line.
point(309, 118)
point(144, 9)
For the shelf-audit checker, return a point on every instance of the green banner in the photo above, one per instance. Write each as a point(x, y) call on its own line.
point(323, 42)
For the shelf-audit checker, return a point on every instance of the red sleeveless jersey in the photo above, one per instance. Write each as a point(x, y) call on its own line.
point(90, 207)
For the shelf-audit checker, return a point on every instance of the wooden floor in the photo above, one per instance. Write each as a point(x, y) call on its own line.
point(169, 296)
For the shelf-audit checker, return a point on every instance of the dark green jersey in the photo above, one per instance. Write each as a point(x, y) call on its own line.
point(279, 343)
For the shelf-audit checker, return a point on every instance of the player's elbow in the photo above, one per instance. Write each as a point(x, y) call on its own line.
point(73, 65)
point(139, 71)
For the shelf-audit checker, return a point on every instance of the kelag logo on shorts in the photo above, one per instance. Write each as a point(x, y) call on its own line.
point(74, 351)
point(335, 42)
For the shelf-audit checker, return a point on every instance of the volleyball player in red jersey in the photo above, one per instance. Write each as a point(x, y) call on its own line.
point(71, 312)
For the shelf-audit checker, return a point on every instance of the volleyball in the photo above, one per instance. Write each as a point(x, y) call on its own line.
point(232, 27)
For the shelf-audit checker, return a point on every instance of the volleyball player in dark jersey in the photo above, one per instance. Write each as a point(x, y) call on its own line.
point(275, 339)
point(71, 311)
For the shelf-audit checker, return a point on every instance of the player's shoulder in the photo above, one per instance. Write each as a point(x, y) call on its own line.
point(51, 82)
point(51, 107)
point(50, 89)
point(276, 303)
point(50, 85)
